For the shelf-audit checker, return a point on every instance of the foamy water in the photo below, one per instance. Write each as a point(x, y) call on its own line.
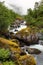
point(38, 46)
point(38, 58)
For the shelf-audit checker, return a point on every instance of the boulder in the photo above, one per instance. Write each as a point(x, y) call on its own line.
point(26, 60)
point(27, 36)
point(33, 51)
point(13, 46)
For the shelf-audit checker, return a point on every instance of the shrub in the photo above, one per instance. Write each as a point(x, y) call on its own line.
point(4, 54)
point(9, 63)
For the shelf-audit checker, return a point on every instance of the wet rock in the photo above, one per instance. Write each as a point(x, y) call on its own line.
point(27, 37)
point(33, 51)
point(22, 53)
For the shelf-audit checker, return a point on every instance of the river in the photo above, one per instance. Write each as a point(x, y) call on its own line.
point(39, 57)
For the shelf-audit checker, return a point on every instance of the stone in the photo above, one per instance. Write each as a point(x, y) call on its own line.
point(27, 60)
point(33, 51)
point(27, 37)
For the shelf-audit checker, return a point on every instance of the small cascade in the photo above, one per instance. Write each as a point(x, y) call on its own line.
point(17, 26)
point(38, 46)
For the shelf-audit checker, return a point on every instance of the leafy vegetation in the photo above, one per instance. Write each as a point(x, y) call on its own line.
point(8, 63)
point(35, 17)
point(4, 54)
point(6, 17)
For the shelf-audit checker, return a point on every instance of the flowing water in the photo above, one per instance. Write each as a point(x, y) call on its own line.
point(39, 57)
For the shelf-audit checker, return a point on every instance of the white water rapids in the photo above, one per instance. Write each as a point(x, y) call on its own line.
point(38, 58)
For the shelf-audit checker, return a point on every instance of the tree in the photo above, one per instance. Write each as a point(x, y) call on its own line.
point(35, 17)
point(36, 5)
point(6, 17)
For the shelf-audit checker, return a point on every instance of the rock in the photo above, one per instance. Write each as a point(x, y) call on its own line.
point(22, 53)
point(27, 36)
point(27, 60)
point(17, 54)
point(5, 41)
point(40, 35)
point(13, 46)
point(33, 51)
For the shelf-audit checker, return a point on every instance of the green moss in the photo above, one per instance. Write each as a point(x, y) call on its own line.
point(4, 54)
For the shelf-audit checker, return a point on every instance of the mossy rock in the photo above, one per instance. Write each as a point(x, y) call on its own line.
point(27, 60)
point(28, 36)
point(13, 46)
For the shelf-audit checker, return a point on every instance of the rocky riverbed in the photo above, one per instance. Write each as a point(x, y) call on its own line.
point(30, 37)
point(38, 57)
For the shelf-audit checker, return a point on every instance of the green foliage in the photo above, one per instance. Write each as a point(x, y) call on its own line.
point(8, 63)
point(6, 17)
point(4, 54)
point(35, 17)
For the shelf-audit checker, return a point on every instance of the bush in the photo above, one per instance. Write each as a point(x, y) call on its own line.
point(8, 63)
point(4, 54)
point(7, 16)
